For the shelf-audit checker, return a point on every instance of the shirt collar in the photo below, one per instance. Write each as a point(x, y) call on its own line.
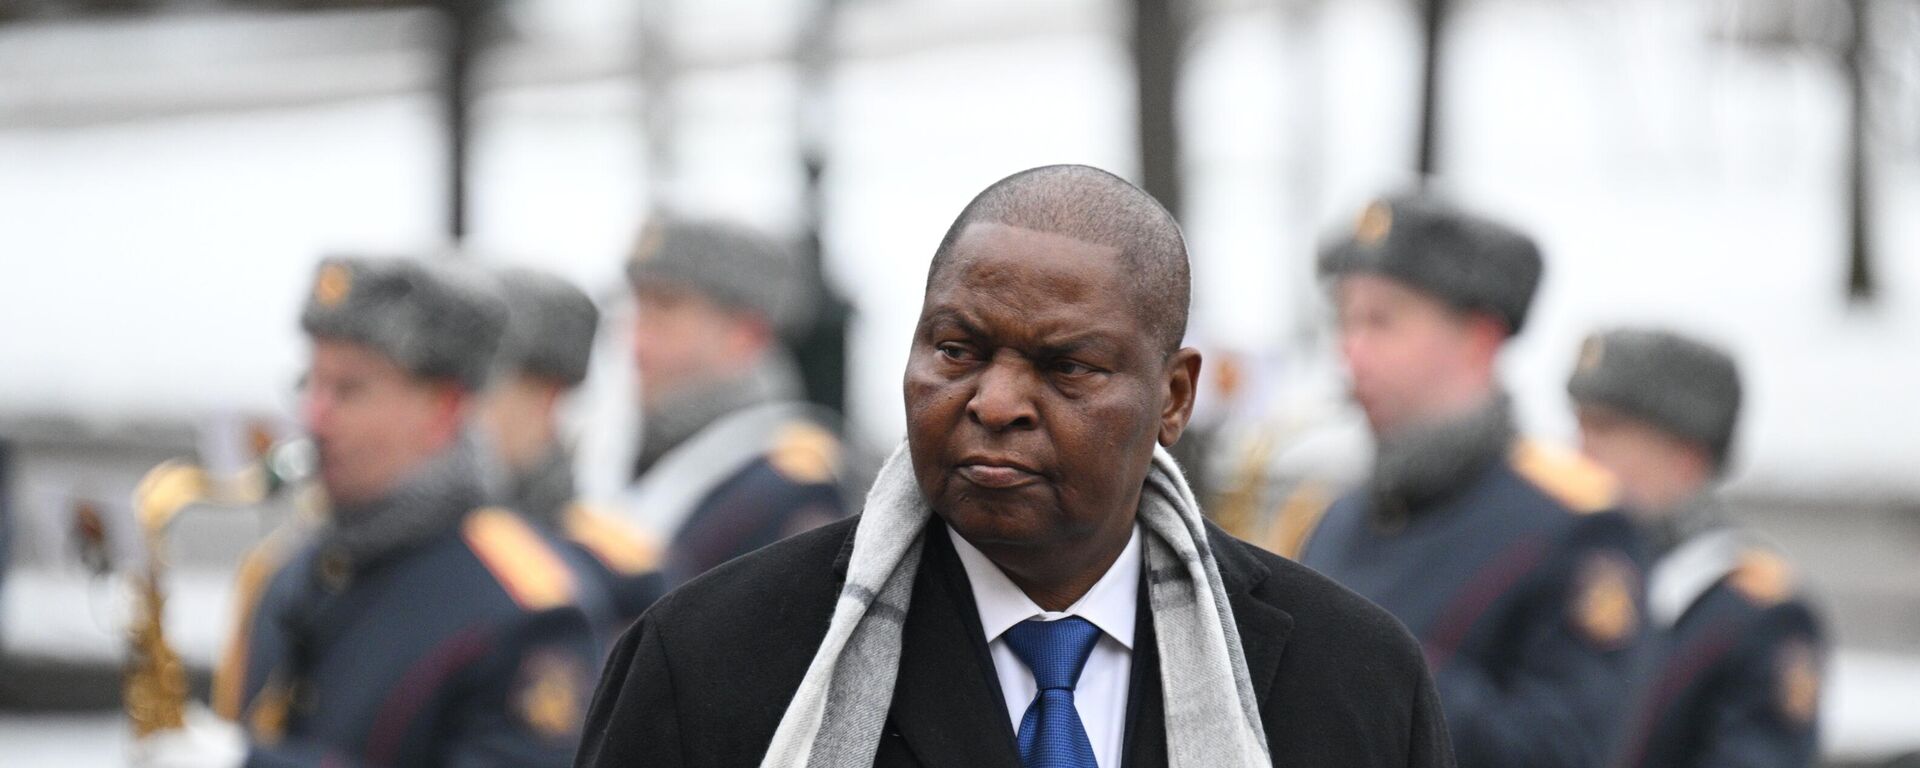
point(1110, 605)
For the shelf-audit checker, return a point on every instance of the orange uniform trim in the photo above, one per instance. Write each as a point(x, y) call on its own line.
point(1571, 479)
point(1298, 517)
point(526, 567)
point(621, 547)
point(805, 453)
point(1763, 577)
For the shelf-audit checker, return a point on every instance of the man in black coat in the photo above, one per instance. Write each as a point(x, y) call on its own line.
point(1045, 374)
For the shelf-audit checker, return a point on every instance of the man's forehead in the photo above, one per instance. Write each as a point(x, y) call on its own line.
point(1376, 288)
point(1052, 329)
point(347, 355)
point(999, 235)
point(1000, 256)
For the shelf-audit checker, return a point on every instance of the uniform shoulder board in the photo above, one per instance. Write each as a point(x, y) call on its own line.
point(623, 548)
point(805, 453)
point(1297, 518)
point(526, 567)
point(1762, 576)
point(1571, 479)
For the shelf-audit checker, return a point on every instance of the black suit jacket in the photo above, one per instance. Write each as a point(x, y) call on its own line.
point(704, 677)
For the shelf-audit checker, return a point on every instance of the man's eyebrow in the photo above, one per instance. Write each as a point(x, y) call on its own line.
point(1080, 342)
point(950, 316)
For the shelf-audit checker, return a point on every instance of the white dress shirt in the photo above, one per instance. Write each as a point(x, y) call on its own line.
point(1101, 695)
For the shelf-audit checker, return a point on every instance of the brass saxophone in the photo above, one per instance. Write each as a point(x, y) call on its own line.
point(154, 688)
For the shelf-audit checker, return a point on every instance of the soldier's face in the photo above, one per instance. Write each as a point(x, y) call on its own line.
point(1035, 394)
point(520, 412)
point(683, 340)
point(1657, 471)
point(372, 423)
point(1410, 357)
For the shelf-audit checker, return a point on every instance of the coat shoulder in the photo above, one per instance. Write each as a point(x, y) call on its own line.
point(762, 588)
point(1326, 616)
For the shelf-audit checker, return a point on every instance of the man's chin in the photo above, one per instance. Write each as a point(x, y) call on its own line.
point(994, 526)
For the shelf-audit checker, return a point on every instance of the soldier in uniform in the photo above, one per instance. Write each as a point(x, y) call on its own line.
point(730, 460)
point(543, 357)
point(1733, 676)
point(417, 625)
point(1504, 557)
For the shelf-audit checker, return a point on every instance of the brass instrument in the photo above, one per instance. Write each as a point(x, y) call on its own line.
point(155, 681)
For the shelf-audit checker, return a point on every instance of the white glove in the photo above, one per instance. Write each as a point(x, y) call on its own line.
point(205, 741)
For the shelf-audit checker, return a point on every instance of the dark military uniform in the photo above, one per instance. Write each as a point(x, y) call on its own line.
point(1733, 676)
point(1523, 590)
point(549, 338)
point(424, 627)
point(1504, 558)
point(766, 474)
point(737, 463)
point(471, 649)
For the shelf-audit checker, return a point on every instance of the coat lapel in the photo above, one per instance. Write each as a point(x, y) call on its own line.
point(947, 704)
point(1146, 739)
point(1263, 628)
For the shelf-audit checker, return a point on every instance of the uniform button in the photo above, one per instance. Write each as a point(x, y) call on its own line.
point(335, 571)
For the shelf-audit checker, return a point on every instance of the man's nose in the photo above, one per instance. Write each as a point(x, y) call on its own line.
point(1003, 399)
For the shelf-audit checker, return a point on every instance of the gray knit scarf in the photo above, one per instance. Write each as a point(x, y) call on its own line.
point(1425, 463)
point(430, 500)
point(543, 492)
point(680, 415)
point(1698, 514)
point(1213, 719)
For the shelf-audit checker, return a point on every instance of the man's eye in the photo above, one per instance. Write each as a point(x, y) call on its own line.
point(952, 351)
point(1071, 368)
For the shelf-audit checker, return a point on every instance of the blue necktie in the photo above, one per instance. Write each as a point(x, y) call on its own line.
point(1051, 734)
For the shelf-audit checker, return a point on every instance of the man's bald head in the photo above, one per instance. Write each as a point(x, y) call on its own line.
point(1097, 207)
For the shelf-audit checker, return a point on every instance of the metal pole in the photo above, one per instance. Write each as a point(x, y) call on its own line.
point(1861, 283)
point(1434, 24)
point(1159, 37)
point(461, 39)
point(821, 347)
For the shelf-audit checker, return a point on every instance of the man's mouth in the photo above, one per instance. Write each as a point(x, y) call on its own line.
point(996, 472)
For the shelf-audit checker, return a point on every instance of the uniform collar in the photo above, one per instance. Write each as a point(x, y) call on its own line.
point(1112, 604)
point(1423, 464)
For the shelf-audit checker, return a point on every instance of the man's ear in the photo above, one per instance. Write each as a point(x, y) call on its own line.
point(451, 404)
point(1182, 385)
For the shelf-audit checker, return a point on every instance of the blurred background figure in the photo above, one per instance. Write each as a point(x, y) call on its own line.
point(1732, 676)
point(543, 358)
point(730, 458)
point(414, 589)
point(1504, 557)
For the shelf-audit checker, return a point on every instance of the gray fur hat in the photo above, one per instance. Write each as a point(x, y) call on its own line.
point(1683, 386)
point(436, 319)
point(734, 266)
point(1465, 260)
point(550, 326)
